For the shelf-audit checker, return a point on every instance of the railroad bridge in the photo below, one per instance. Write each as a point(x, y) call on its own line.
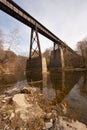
point(62, 55)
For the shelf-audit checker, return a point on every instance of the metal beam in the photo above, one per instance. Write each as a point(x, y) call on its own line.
point(11, 8)
point(34, 50)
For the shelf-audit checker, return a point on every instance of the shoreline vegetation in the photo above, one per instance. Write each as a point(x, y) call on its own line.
point(25, 108)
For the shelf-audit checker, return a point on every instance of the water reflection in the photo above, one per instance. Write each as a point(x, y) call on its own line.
point(67, 87)
point(57, 82)
point(78, 100)
point(62, 87)
point(83, 88)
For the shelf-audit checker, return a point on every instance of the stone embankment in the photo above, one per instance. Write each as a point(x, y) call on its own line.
point(27, 109)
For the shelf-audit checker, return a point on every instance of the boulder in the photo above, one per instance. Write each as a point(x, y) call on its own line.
point(48, 125)
point(26, 109)
point(20, 101)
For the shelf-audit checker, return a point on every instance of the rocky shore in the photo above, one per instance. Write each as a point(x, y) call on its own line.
point(26, 108)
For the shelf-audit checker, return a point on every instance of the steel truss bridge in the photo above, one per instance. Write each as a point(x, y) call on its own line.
point(11, 8)
point(68, 57)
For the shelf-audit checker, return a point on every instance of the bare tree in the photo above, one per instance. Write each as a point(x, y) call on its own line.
point(1, 46)
point(14, 40)
point(47, 52)
point(10, 42)
point(82, 50)
point(1, 39)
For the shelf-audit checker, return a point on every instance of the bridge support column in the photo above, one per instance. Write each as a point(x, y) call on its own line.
point(34, 49)
point(34, 63)
point(57, 58)
point(56, 47)
point(62, 57)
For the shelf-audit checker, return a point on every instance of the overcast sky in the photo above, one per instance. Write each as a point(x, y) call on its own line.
point(67, 19)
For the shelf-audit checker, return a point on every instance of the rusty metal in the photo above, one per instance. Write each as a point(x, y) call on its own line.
point(34, 63)
point(35, 51)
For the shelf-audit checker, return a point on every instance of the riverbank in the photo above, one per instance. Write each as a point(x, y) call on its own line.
point(26, 108)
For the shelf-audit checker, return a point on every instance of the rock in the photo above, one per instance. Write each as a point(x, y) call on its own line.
point(12, 91)
point(25, 90)
point(6, 127)
point(51, 120)
point(5, 116)
point(2, 96)
point(48, 116)
point(54, 112)
point(29, 90)
point(8, 99)
point(12, 115)
point(30, 113)
point(40, 94)
point(64, 124)
point(32, 90)
point(26, 109)
point(20, 101)
point(48, 125)
point(3, 101)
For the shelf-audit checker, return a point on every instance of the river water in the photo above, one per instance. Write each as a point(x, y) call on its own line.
point(59, 87)
point(68, 87)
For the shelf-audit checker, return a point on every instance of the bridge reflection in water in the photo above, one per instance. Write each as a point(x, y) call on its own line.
point(34, 69)
point(70, 86)
point(56, 82)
